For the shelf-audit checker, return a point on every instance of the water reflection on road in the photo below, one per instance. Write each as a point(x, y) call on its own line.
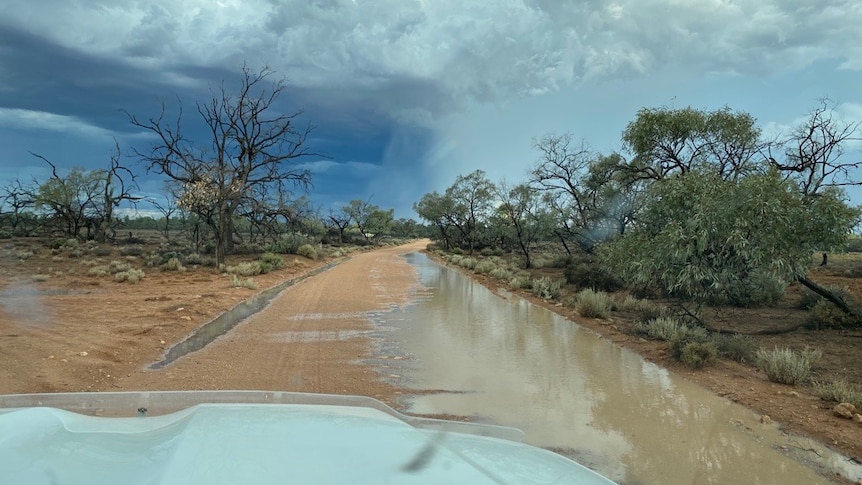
point(520, 365)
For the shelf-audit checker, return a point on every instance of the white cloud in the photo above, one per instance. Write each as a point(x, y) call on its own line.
point(329, 166)
point(41, 120)
point(469, 49)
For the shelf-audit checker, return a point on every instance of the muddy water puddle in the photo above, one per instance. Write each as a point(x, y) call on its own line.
point(515, 364)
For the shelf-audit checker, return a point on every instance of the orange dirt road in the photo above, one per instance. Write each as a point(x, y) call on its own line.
point(313, 337)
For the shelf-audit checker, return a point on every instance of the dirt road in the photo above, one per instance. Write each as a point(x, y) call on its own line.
point(311, 338)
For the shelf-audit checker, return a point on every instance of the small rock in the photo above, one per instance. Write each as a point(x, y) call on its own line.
point(83, 354)
point(844, 410)
point(765, 419)
point(161, 341)
point(794, 393)
point(186, 317)
point(64, 360)
point(858, 418)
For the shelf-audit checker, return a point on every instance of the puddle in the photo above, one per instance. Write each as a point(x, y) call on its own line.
point(318, 335)
point(570, 390)
point(230, 319)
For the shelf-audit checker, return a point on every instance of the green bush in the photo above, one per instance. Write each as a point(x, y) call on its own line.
point(131, 250)
point(307, 251)
point(584, 275)
point(520, 283)
point(786, 366)
point(40, 277)
point(500, 274)
point(546, 288)
point(645, 310)
point(250, 268)
point(194, 259)
point(130, 275)
point(854, 245)
point(592, 304)
point(271, 261)
point(174, 264)
point(697, 355)
point(485, 266)
point(740, 348)
point(486, 252)
point(241, 283)
point(468, 262)
point(839, 391)
point(758, 289)
point(826, 315)
point(290, 243)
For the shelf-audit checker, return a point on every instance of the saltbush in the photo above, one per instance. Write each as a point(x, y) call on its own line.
point(546, 288)
point(697, 355)
point(307, 251)
point(174, 264)
point(826, 315)
point(271, 261)
point(500, 274)
point(485, 266)
point(520, 283)
point(740, 348)
point(839, 391)
point(250, 268)
point(241, 283)
point(468, 262)
point(592, 304)
point(130, 275)
point(787, 366)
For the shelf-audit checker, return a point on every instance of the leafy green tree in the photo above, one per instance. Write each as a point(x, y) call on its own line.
point(70, 199)
point(525, 217)
point(371, 221)
point(437, 209)
point(667, 141)
point(470, 203)
point(705, 238)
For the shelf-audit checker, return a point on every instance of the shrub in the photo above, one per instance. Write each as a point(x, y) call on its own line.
point(100, 270)
point(194, 259)
point(758, 289)
point(130, 275)
point(698, 354)
point(118, 266)
point(100, 251)
point(786, 366)
point(290, 243)
point(839, 391)
point(825, 314)
point(40, 277)
point(457, 251)
point(271, 261)
point(307, 251)
point(561, 261)
point(486, 252)
point(591, 304)
point(131, 250)
point(174, 264)
point(500, 274)
point(546, 288)
point(584, 275)
point(520, 282)
point(740, 348)
point(468, 262)
point(24, 255)
point(484, 267)
point(250, 268)
point(645, 310)
point(241, 283)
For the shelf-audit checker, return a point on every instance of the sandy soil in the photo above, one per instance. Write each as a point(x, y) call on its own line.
point(73, 332)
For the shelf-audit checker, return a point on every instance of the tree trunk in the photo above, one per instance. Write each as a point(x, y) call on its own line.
point(828, 295)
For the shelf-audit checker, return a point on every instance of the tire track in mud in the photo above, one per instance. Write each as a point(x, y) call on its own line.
point(313, 337)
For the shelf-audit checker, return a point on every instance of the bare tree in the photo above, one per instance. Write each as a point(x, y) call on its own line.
point(251, 145)
point(813, 152)
point(339, 220)
point(18, 198)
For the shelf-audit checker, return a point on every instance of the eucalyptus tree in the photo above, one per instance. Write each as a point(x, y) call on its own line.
point(706, 239)
point(591, 198)
point(252, 145)
point(526, 218)
point(667, 141)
